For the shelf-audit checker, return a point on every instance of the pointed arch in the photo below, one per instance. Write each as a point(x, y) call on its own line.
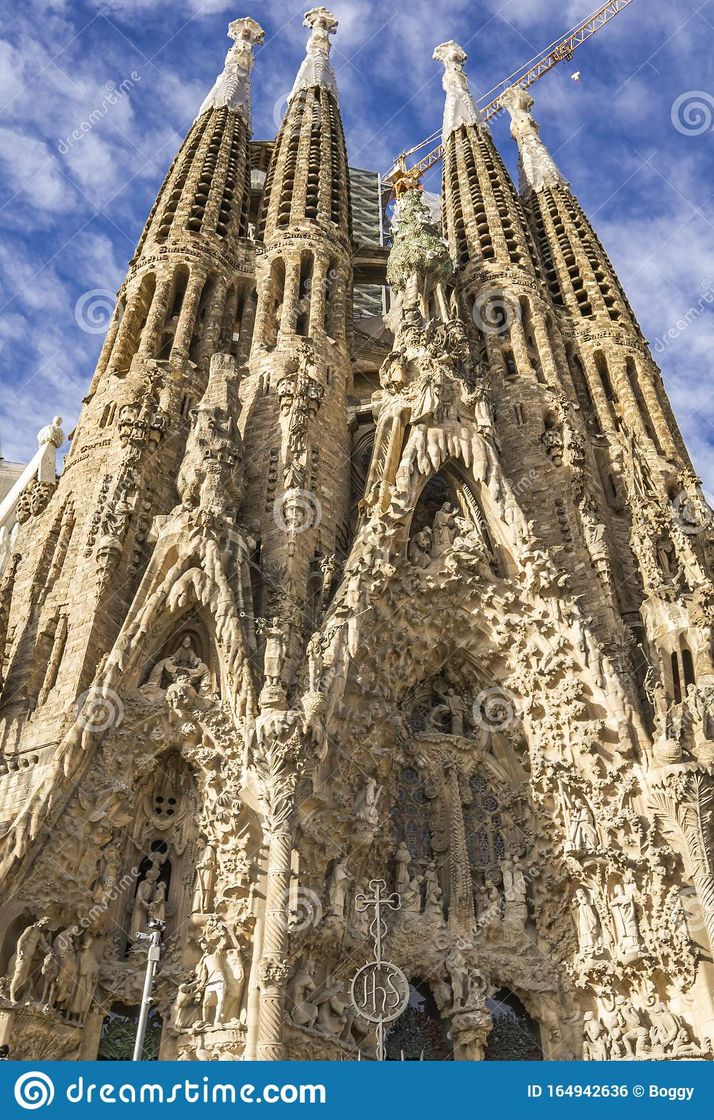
point(473, 501)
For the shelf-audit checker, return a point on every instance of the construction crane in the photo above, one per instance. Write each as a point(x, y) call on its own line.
point(402, 177)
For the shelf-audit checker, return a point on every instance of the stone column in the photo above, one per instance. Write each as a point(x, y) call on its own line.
point(519, 345)
point(274, 969)
point(108, 346)
point(545, 350)
point(246, 328)
point(125, 342)
point(318, 294)
point(470, 1029)
point(602, 404)
point(265, 300)
point(279, 759)
point(630, 405)
point(230, 316)
point(156, 318)
point(461, 905)
point(187, 319)
point(253, 1001)
point(660, 420)
point(288, 321)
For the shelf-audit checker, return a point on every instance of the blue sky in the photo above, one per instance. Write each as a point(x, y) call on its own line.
point(71, 211)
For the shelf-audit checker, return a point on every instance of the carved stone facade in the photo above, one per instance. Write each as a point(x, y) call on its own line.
point(311, 606)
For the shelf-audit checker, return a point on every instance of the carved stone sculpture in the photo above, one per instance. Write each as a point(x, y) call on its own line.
point(31, 948)
point(320, 602)
point(623, 908)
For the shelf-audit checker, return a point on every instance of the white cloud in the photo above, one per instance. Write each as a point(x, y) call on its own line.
point(30, 170)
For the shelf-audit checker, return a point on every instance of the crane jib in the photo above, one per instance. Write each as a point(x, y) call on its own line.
point(525, 77)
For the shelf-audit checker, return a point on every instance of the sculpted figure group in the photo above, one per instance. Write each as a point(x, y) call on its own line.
point(57, 972)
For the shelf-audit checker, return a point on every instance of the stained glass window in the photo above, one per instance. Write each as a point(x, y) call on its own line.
point(413, 815)
point(484, 826)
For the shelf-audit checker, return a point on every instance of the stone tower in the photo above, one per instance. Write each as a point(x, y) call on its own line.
point(319, 600)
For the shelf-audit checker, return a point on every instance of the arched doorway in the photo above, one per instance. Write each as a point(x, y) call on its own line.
point(116, 1042)
point(515, 1036)
point(420, 1034)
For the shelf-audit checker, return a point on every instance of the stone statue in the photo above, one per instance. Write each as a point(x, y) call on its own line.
point(275, 654)
point(489, 908)
point(669, 1033)
point(142, 900)
point(366, 802)
point(332, 1012)
point(157, 906)
point(444, 530)
point(183, 666)
point(66, 951)
point(661, 710)
point(221, 976)
point(589, 934)
point(434, 899)
point(32, 946)
point(402, 860)
point(315, 661)
point(340, 880)
point(458, 974)
point(205, 879)
point(420, 549)
point(301, 1008)
point(411, 895)
point(514, 889)
point(457, 710)
point(50, 972)
point(581, 834)
point(635, 1034)
point(595, 1047)
point(623, 909)
point(185, 1002)
point(87, 977)
point(51, 433)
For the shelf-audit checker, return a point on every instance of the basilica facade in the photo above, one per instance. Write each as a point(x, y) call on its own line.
point(330, 593)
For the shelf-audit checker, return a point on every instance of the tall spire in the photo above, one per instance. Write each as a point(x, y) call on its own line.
point(316, 69)
point(308, 179)
point(460, 107)
point(231, 89)
point(200, 217)
point(483, 215)
point(537, 167)
point(623, 384)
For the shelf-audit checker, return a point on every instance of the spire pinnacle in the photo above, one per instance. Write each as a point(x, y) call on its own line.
point(316, 69)
point(460, 106)
point(537, 167)
point(232, 86)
